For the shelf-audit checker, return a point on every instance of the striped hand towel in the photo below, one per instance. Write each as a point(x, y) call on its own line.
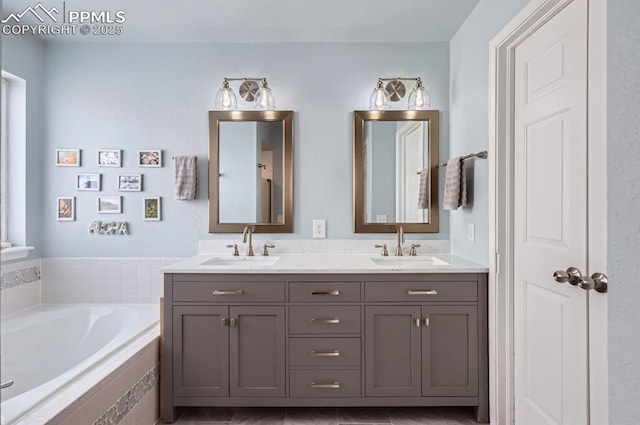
point(423, 190)
point(455, 185)
point(186, 177)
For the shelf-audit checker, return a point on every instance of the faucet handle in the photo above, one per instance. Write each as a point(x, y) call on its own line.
point(412, 251)
point(385, 252)
point(235, 249)
point(265, 248)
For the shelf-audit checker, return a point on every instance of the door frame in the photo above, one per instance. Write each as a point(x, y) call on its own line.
point(501, 244)
point(401, 134)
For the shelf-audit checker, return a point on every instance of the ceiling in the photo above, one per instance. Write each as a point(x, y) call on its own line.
point(268, 20)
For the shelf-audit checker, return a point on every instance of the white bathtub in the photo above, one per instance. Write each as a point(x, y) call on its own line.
point(49, 348)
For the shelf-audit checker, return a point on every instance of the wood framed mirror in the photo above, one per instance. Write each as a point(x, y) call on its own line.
point(251, 171)
point(391, 149)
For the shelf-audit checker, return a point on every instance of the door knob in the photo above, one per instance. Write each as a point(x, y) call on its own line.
point(601, 282)
point(572, 275)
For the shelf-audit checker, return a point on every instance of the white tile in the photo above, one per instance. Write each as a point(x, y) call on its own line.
point(98, 271)
point(108, 261)
point(128, 261)
point(114, 272)
point(150, 261)
point(144, 290)
point(129, 271)
point(20, 297)
point(144, 271)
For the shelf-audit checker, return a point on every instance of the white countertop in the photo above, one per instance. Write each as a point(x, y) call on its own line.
point(325, 263)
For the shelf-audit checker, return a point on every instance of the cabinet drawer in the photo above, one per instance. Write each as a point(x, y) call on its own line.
point(324, 291)
point(325, 383)
point(421, 291)
point(324, 351)
point(324, 319)
point(229, 291)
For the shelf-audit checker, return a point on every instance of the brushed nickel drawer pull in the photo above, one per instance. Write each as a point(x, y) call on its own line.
point(334, 292)
point(333, 385)
point(219, 292)
point(425, 292)
point(327, 321)
point(334, 353)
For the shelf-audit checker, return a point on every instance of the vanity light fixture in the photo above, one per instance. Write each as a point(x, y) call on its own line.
point(249, 90)
point(395, 90)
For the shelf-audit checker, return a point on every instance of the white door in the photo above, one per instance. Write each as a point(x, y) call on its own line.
point(550, 221)
point(410, 159)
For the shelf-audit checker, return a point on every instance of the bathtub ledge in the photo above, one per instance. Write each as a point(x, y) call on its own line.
point(15, 253)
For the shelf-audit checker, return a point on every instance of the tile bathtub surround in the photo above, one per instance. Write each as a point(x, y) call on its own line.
point(328, 416)
point(21, 285)
point(324, 246)
point(103, 280)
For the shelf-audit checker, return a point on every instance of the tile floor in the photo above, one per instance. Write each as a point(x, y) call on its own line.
point(328, 416)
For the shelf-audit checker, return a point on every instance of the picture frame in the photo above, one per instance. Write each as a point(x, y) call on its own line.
point(150, 158)
point(130, 182)
point(109, 204)
point(109, 157)
point(68, 157)
point(151, 208)
point(66, 208)
point(88, 181)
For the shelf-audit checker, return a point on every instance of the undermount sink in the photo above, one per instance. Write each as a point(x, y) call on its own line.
point(409, 261)
point(243, 262)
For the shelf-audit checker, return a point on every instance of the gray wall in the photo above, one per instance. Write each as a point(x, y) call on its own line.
point(469, 118)
point(623, 204)
point(23, 57)
point(147, 95)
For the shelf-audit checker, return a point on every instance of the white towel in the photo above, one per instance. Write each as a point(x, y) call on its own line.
point(423, 190)
point(185, 172)
point(455, 185)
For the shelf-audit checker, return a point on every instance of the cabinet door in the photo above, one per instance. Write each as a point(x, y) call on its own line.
point(392, 356)
point(257, 352)
point(201, 351)
point(450, 351)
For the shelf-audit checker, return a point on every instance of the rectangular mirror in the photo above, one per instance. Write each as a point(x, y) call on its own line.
point(391, 149)
point(251, 171)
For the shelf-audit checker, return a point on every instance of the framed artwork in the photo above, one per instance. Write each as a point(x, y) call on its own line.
point(88, 182)
point(130, 182)
point(109, 204)
point(150, 158)
point(66, 208)
point(151, 209)
point(109, 157)
point(68, 157)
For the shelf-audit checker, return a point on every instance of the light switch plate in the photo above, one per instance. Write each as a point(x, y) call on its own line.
point(319, 229)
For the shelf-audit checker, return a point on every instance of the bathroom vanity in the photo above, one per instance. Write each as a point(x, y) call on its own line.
point(324, 331)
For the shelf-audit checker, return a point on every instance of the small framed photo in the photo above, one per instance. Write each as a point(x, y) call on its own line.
point(150, 158)
point(66, 208)
point(130, 182)
point(88, 182)
point(109, 157)
point(68, 157)
point(151, 209)
point(109, 204)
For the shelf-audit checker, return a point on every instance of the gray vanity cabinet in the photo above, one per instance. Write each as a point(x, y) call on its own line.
point(377, 339)
point(229, 351)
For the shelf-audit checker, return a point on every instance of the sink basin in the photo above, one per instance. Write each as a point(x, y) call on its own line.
point(409, 262)
point(241, 262)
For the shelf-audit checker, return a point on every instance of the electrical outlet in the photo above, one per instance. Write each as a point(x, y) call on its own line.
point(319, 229)
point(471, 232)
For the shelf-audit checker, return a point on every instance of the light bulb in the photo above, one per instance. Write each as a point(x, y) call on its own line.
point(419, 97)
point(379, 99)
point(226, 99)
point(264, 98)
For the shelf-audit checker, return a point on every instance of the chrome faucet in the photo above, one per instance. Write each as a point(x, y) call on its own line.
point(400, 234)
point(248, 230)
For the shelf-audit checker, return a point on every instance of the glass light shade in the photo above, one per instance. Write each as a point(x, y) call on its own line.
point(265, 99)
point(379, 99)
point(226, 98)
point(419, 97)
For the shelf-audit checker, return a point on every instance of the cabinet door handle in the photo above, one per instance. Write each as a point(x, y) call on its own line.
point(331, 385)
point(422, 292)
point(225, 321)
point(334, 292)
point(236, 292)
point(417, 322)
point(334, 353)
point(426, 321)
point(233, 321)
point(326, 321)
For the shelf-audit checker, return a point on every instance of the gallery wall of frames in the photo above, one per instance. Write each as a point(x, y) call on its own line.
point(111, 190)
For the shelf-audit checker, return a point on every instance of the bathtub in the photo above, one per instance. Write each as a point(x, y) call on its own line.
point(52, 352)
